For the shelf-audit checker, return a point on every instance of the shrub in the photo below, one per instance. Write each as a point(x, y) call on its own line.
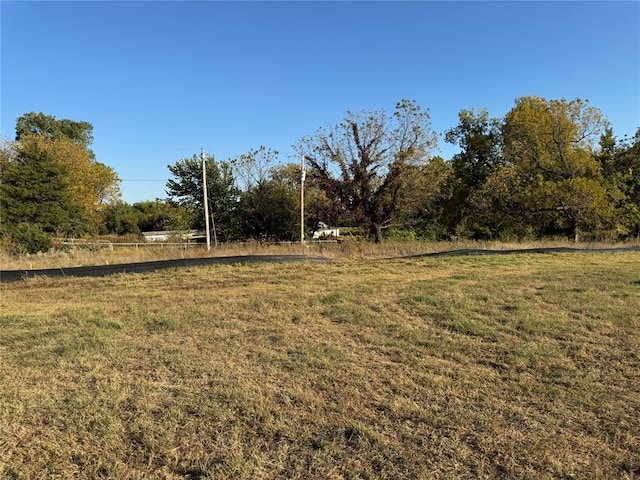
point(28, 238)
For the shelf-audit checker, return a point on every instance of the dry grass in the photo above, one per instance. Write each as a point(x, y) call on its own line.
point(352, 249)
point(518, 366)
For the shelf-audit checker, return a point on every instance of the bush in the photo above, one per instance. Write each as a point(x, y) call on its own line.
point(28, 238)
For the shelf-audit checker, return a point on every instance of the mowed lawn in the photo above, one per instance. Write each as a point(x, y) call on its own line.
point(513, 366)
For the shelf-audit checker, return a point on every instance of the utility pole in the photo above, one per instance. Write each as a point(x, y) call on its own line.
point(303, 174)
point(206, 199)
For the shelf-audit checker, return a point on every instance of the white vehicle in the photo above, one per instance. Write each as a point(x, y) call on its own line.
point(324, 231)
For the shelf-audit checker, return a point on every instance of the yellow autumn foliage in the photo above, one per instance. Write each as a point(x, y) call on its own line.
point(92, 184)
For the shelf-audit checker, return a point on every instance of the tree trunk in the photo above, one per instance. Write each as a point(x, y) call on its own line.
point(378, 233)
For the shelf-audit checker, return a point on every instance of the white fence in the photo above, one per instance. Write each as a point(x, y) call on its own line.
point(70, 242)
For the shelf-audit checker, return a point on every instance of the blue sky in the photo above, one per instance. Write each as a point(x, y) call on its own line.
point(159, 80)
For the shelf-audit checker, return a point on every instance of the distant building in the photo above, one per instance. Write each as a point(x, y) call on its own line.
point(168, 235)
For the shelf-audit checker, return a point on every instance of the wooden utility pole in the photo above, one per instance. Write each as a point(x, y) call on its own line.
point(206, 199)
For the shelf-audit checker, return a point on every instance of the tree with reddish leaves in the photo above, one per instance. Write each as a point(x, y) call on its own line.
point(361, 163)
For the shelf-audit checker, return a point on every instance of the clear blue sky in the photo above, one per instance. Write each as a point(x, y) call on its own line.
point(160, 80)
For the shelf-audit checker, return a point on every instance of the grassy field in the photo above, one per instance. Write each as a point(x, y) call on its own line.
point(514, 366)
point(345, 250)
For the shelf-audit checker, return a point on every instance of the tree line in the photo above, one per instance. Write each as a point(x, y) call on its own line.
point(548, 168)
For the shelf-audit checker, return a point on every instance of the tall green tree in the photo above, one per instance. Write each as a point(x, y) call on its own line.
point(551, 144)
point(500, 209)
point(35, 197)
point(91, 183)
point(425, 193)
point(620, 162)
point(159, 215)
point(269, 204)
point(360, 163)
point(120, 218)
point(80, 133)
point(628, 163)
point(185, 190)
point(267, 212)
point(480, 140)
